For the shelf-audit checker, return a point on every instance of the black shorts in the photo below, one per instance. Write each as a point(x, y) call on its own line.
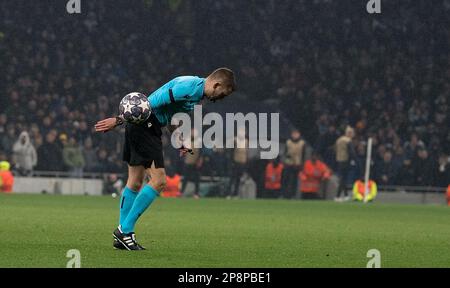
point(143, 145)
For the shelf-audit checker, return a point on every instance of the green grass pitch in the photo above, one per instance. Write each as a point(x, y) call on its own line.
point(38, 230)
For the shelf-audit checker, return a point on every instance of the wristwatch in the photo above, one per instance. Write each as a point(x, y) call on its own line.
point(119, 121)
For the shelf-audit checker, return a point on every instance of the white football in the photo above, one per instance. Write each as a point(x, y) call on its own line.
point(135, 108)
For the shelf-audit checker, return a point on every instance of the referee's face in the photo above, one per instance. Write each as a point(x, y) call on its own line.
point(220, 92)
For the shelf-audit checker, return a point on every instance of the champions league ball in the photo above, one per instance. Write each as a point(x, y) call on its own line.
point(135, 108)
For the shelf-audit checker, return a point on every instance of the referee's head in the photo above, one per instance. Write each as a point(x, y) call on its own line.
point(219, 84)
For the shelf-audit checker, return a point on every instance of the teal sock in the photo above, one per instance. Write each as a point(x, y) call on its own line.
point(142, 202)
point(126, 202)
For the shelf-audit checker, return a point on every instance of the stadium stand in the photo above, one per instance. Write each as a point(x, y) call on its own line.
point(322, 64)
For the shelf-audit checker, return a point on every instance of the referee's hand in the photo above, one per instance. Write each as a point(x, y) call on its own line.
point(105, 125)
point(184, 151)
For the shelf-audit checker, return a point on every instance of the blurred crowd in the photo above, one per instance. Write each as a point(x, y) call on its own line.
point(326, 64)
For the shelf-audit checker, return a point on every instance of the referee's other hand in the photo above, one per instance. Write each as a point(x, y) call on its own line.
point(105, 125)
point(184, 151)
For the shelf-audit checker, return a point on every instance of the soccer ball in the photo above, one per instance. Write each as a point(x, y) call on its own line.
point(135, 108)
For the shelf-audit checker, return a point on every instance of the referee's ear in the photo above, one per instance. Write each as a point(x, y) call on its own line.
point(225, 76)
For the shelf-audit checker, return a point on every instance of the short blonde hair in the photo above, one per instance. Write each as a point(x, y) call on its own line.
point(225, 76)
point(349, 130)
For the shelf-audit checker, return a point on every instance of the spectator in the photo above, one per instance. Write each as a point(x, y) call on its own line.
point(326, 142)
point(191, 173)
point(273, 178)
point(398, 158)
point(173, 185)
point(50, 154)
point(405, 175)
point(344, 154)
point(192, 167)
point(361, 157)
point(105, 165)
point(443, 171)
point(113, 185)
point(293, 162)
point(423, 169)
point(447, 195)
point(73, 158)
point(220, 162)
point(46, 125)
point(413, 146)
point(3, 156)
point(7, 141)
point(385, 171)
point(90, 156)
point(6, 178)
point(208, 166)
point(3, 121)
point(247, 187)
point(116, 164)
point(24, 155)
point(315, 173)
point(239, 162)
point(62, 141)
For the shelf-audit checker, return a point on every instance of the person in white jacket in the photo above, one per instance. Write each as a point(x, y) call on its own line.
point(24, 154)
point(247, 187)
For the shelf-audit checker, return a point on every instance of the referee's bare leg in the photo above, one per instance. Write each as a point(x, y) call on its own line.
point(157, 178)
